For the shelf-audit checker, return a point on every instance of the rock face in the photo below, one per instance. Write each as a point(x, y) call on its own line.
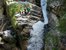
point(6, 45)
point(56, 18)
point(1, 3)
point(57, 7)
point(25, 23)
point(23, 13)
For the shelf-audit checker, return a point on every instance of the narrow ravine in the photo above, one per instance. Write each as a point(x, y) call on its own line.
point(36, 40)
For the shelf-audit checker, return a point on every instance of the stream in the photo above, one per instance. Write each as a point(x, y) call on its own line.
point(36, 34)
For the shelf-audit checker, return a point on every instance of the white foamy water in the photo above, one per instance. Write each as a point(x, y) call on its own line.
point(36, 40)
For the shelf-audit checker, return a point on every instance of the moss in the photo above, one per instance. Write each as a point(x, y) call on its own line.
point(12, 9)
point(62, 25)
point(13, 22)
point(54, 49)
point(52, 40)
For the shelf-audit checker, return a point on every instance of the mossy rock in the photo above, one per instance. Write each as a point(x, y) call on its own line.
point(62, 26)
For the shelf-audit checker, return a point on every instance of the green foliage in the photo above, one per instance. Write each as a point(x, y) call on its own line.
point(52, 40)
point(13, 22)
point(12, 9)
point(62, 24)
point(54, 49)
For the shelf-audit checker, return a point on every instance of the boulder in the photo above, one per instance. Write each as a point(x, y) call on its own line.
point(23, 13)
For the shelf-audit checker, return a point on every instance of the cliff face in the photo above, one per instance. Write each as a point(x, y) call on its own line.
point(56, 37)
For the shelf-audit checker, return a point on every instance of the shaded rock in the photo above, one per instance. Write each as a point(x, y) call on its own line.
point(1, 3)
point(57, 7)
point(63, 40)
point(55, 3)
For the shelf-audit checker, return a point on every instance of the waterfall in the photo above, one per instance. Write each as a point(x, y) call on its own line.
point(36, 40)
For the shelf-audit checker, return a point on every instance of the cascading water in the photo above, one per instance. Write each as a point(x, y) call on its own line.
point(36, 40)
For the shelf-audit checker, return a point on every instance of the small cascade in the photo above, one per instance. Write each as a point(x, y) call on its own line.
point(36, 40)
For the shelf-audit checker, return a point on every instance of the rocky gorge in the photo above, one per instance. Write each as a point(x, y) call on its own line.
point(54, 37)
